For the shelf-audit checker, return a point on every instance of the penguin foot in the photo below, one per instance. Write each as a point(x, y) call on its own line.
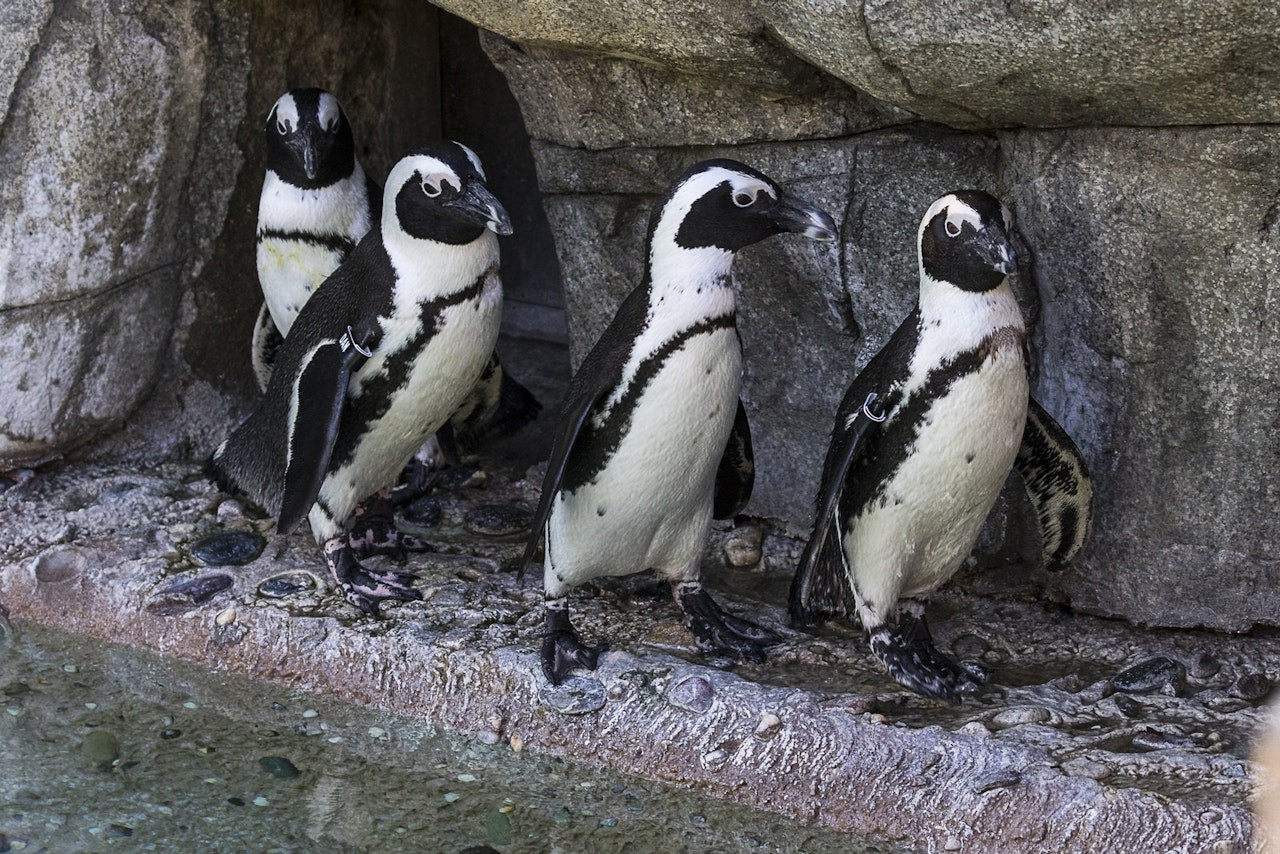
point(716, 630)
point(562, 650)
point(907, 652)
point(374, 532)
point(363, 587)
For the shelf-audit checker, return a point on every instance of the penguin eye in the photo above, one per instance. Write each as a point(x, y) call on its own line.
point(743, 199)
point(432, 190)
point(951, 228)
point(282, 127)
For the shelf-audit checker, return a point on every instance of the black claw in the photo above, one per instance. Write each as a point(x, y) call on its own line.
point(906, 650)
point(366, 588)
point(717, 631)
point(562, 651)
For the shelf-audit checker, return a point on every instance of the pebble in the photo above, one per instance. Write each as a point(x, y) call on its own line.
point(101, 747)
point(498, 827)
point(261, 801)
point(715, 760)
point(768, 726)
point(487, 736)
point(179, 597)
point(377, 732)
point(952, 844)
point(1087, 768)
point(1019, 715)
point(225, 617)
point(693, 693)
point(170, 734)
point(744, 545)
point(91, 706)
point(516, 742)
point(999, 779)
point(1205, 666)
point(120, 830)
point(310, 713)
point(230, 510)
point(1155, 674)
point(1253, 687)
point(70, 668)
point(286, 584)
point(466, 778)
point(1150, 739)
point(974, 728)
point(229, 548)
point(498, 520)
point(189, 705)
point(451, 797)
point(426, 512)
point(577, 695)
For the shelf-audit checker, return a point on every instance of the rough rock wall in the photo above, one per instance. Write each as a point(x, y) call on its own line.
point(1151, 252)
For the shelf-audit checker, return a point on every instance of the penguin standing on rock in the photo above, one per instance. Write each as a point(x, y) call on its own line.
point(316, 205)
point(376, 361)
point(654, 440)
point(923, 442)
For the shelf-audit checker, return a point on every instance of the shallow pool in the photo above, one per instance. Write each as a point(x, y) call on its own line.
point(111, 748)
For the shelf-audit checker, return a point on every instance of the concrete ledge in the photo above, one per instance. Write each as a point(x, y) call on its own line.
point(90, 550)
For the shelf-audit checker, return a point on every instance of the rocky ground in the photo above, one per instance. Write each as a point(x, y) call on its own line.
point(1094, 735)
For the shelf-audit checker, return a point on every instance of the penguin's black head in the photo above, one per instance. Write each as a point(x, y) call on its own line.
point(439, 193)
point(724, 204)
point(309, 141)
point(964, 241)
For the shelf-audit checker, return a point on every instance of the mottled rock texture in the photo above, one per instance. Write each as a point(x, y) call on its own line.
point(1149, 254)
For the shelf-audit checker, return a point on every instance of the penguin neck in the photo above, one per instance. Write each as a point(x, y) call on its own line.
point(687, 285)
point(427, 269)
point(340, 208)
point(965, 318)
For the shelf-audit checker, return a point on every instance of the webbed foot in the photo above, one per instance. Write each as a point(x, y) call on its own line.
point(906, 649)
point(363, 587)
point(562, 650)
point(373, 532)
point(716, 630)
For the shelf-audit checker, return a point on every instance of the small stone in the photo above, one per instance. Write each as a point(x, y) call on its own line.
point(335, 739)
point(1019, 715)
point(286, 584)
point(1154, 674)
point(101, 747)
point(561, 816)
point(497, 827)
point(378, 733)
point(310, 713)
point(516, 742)
point(507, 808)
point(230, 510)
point(170, 734)
point(974, 728)
point(225, 617)
point(609, 822)
point(229, 548)
point(452, 797)
point(425, 512)
point(744, 546)
point(487, 736)
point(1253, 687)
point(260, 801)
point(1151, 739)
point(1128, 706)
point(1205, 666)
point(693, 693)
point(577, 695)
point(715, 760)
point(999, 779)
point(768, 726)
point(189, 705)
point(1087, 768)
point(952, 844)
point(498, 520)
point(91, 706)
point(70, 668)
point(466, 778)
point(278, 766)
point(167, 720)
point(60, 564)
point(119, 830)
point(182, 596)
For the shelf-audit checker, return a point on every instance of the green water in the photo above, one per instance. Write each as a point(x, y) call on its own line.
point(109, 748)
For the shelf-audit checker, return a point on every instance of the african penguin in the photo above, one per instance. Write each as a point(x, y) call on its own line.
point(376, 361)
point(653, 439)
point(316, 204)
point(923, 442)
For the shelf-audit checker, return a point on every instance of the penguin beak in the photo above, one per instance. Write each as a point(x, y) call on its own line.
point(306, 150)
point(476, 204)
point(791, 213)
point(996, 251)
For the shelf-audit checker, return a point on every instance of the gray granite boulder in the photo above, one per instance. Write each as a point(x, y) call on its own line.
point(105, 156)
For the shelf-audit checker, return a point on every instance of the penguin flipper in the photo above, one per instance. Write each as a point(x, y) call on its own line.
point(821, 584)
point(1058, 484)
point(319, 391)
point(736, 474)
point(266, 346)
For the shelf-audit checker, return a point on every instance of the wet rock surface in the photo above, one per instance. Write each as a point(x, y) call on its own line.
point(817, 730)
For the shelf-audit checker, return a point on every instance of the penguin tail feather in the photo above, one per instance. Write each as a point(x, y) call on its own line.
point(821, 588)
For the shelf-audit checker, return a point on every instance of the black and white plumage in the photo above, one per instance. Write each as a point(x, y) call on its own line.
point(923, 442)
point(316, 204)
point(377, 359)
point(653, 439)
